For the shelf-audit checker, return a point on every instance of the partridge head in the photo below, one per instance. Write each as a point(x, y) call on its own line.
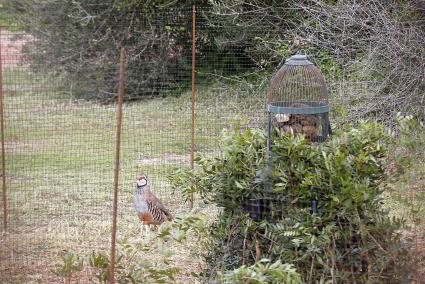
point(141, 181)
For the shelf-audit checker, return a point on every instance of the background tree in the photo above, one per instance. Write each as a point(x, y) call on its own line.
point(373, 48)
point(80, 41)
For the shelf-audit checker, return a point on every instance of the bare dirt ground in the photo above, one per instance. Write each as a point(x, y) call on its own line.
point(12, 44)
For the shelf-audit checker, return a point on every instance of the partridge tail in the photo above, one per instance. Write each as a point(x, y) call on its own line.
point(169, 217)
point(167, 214)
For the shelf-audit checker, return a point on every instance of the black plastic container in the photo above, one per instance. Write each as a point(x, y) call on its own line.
point(258, 209)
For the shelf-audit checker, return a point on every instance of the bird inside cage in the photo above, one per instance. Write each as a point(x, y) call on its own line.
point(307, 124)
point(150, 209)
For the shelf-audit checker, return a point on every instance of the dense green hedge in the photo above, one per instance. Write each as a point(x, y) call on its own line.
point(351, 238)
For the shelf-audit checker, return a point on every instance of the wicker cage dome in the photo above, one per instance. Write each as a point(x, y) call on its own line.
point(298, 80)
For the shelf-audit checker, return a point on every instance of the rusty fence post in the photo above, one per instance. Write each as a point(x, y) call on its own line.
point(117, 166)
point(3, 152)
point(192, 153)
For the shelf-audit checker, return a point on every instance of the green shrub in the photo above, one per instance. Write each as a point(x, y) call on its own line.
point(71, 263)
point(262, 272)
point(351, 238)
point(134, 263)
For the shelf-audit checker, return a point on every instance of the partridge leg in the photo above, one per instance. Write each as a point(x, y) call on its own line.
point(154, 228)
point(145, 227)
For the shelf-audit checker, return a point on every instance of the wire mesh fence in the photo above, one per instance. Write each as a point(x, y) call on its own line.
point(58, 166)
point(60, 121)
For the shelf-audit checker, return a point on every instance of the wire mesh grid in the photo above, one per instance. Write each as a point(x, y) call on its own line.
point(58, 166)
point(60, 118)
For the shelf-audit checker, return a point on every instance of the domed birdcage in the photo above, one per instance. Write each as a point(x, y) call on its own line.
point(297, 100)
point(297, 103)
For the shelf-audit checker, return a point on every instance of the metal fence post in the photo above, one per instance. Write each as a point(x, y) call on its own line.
point(3, 152)
point(192, 153)
point(117, 166)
